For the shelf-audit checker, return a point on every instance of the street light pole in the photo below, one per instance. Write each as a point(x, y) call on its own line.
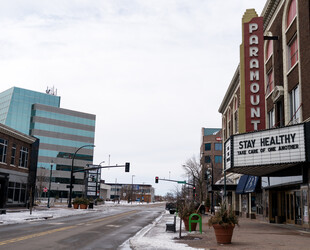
point(49, 187)
point(71, 176)
point(132, 186)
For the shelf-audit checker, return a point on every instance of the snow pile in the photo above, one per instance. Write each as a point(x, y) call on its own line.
point(24, 216)
point(154, 236)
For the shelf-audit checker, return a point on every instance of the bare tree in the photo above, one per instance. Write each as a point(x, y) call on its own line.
point(193, 168)
point(42, 180)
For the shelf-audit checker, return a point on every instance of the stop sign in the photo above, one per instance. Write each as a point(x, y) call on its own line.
point(45, 190)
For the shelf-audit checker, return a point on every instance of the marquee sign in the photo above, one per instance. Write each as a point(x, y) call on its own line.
point(274, 146)
point(254, 74)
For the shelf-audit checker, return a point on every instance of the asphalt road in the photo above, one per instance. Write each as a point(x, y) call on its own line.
point(89, 231)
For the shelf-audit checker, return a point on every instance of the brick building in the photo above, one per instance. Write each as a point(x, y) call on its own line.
point(18, 165)
point(267, 103)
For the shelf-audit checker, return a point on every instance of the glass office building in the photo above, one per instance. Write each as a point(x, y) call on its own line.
point(60, 131)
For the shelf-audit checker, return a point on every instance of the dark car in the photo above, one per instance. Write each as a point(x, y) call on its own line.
point(171, 207)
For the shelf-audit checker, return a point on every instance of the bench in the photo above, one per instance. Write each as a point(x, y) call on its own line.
point(171, 226)
point(2, 211)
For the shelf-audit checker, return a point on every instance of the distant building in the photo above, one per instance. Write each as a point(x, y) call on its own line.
point(211, 157)
point(135, 192)
point(18, 165)
point(61, 133)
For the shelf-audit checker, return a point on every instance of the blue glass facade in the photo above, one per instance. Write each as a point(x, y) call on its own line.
point(16, 105)
point(60, 131)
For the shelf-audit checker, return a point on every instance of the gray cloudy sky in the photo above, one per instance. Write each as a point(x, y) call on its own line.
point(153, 71)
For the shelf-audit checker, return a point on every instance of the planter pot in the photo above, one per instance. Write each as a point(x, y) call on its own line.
point(83, 206)
point(223, 233)
point(76, 206)
point(186, 223)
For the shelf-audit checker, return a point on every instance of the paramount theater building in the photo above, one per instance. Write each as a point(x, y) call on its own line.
point(266, 115)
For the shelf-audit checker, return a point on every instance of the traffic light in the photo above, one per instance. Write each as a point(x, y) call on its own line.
point(156, 179)
point(127, 165)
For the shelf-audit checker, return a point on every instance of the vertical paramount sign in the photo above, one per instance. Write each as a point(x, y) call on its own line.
point(252, 73)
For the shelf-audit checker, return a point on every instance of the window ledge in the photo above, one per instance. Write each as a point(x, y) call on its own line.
point(293, 67)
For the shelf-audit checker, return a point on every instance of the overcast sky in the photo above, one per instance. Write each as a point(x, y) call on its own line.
point(154, 72)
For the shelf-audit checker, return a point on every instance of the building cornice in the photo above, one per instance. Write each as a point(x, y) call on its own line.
point(230, 91)
point(16, 134)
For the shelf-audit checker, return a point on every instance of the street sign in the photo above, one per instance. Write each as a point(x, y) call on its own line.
point(45, 190)
point(182, 182)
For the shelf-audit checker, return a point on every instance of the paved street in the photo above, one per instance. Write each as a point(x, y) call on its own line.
point(95, 230)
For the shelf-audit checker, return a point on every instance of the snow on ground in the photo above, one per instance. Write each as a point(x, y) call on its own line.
point(37, 214)
point(154, 236)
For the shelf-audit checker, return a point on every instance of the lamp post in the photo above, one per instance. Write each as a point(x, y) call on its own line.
point(132, 186)
point(71, 176)
point(49, 187)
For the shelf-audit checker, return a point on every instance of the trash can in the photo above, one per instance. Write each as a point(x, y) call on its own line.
point(91, 205)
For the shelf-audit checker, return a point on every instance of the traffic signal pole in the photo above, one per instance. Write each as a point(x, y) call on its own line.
point(179, 182)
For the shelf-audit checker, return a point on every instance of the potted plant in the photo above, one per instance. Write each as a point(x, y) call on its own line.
point(185, 209)
point(223, 222)
point(76, 202)
point(83, 203)
point(99, 201)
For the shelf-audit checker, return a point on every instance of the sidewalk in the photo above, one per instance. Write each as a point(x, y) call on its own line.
point(252, 234)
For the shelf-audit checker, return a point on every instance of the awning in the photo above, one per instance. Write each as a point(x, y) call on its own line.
point(251, 184)
point(241, 184)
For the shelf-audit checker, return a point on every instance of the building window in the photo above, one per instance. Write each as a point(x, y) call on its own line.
point(291, 13)
point(218, 159)
point(218, 146)
point(207, 146)
point(271, 119)
point(207, 159)
point(3, 150)
point(294, 105)
point(13, 153)
point(17, 192)
point(292, 52)
point(235, 117)
point(23, 158)
point(269, 49)
point(270, 82)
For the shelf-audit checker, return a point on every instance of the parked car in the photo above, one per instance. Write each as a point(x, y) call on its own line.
point(171, 207)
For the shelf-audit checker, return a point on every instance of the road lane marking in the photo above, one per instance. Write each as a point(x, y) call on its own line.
point(63, 228)
point(34, 235)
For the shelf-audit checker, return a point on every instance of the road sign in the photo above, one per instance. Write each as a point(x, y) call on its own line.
point(45, 190)
point(182, 182)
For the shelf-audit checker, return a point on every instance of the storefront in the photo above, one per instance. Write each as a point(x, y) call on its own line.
point(277, 161)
